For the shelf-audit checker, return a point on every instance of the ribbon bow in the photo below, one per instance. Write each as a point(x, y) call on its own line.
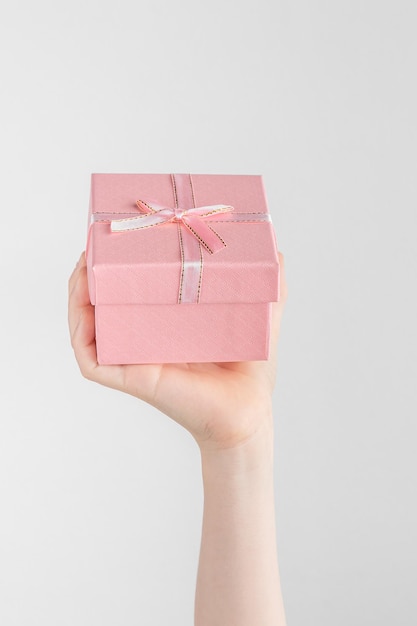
point(192, 219)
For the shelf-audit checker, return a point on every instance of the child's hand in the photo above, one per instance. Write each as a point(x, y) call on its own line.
point(221, 404)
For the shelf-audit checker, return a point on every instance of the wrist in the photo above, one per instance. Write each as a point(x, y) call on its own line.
point(254, 455)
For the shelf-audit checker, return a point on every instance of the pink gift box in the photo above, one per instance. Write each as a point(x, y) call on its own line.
point(172, 282)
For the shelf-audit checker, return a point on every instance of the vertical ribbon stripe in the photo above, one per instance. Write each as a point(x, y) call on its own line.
point(191, 253)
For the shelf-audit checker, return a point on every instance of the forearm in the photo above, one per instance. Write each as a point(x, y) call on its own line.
point(238, 578)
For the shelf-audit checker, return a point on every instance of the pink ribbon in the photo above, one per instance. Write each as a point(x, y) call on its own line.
point(155, 215)
point(193, 232)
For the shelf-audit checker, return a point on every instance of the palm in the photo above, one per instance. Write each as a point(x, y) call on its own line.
point(220, 402)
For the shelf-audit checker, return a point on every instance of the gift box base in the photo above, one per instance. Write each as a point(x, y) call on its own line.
point(182, 333)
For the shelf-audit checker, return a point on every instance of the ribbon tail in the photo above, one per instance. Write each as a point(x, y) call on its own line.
point(135, 223)
point(191, 266)
point(149, 207)
point(205, 235)
point(207, 211)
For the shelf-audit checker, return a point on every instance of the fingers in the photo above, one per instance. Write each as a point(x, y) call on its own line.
point(78, 296)
point(81, 320)
point(278, 307)
point(73, 278)
point(283, 288)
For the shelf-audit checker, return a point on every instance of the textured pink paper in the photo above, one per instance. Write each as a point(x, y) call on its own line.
point(172, 333)
point(134, 276)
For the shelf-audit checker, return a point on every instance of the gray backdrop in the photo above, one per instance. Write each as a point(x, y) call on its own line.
point(101, 495)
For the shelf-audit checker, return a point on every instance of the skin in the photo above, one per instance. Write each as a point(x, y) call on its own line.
point(227, 408)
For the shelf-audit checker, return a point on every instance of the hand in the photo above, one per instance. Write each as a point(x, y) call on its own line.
point(222, 405)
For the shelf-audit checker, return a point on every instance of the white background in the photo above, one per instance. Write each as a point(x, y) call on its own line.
point(101, 495)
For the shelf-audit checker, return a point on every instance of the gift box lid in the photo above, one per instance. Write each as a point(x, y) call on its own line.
point(148, 265)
